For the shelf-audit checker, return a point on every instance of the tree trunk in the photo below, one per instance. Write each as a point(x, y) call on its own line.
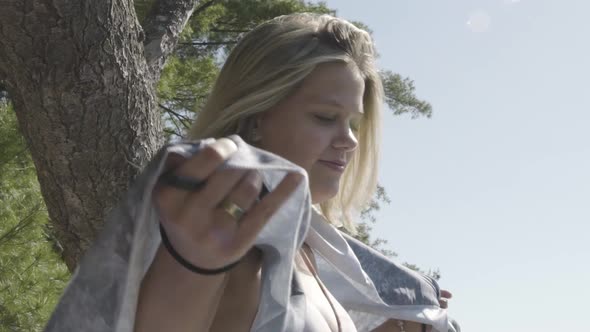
point(86, 103)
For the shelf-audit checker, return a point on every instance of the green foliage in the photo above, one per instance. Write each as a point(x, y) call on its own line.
point(401, 98)
point(367, 216)
point(32, 275)
point(142, 8)
point(435, 274)
point(183, 87)
point(364, 232)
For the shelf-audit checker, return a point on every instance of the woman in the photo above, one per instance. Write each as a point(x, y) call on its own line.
point(303, 87)
point(304, 95)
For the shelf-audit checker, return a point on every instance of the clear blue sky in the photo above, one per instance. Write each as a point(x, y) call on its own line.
point(497, 182)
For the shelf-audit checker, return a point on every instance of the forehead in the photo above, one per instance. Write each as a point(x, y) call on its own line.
point(337, 84)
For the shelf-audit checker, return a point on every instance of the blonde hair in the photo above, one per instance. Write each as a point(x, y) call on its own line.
point(269, 63)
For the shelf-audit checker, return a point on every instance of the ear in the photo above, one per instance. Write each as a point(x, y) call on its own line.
point(254, 129)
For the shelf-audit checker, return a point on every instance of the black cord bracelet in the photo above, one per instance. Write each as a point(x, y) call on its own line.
point(186, 263)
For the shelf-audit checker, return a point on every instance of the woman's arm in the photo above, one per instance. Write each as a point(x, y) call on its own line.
point(205, 235)
point(172, 298)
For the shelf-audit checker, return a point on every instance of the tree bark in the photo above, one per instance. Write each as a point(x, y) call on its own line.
point(163, 26)
point(85, 100)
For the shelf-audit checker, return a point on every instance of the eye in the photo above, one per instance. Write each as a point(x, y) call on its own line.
point(324, 118)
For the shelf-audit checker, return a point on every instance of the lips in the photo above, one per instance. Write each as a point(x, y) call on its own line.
point(334, 164)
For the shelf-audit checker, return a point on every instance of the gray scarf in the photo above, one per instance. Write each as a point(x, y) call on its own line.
point(103, 291)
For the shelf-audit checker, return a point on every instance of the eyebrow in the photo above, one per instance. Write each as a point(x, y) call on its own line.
point(330, 102)
point(333, 103)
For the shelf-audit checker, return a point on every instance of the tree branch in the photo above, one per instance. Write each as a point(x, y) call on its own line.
point(229, 42)
point(162, 27)
point(172, 132)
point(228, 30)
point(204, 6)
point(177, 115)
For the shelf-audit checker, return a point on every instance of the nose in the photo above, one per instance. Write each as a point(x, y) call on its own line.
point(346, 140)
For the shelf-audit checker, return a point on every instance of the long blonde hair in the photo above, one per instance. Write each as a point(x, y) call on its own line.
point(269, 63)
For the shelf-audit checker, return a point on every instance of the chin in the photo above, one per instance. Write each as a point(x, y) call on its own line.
point(318, 197)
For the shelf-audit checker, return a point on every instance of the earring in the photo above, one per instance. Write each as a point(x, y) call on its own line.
point(255, 135)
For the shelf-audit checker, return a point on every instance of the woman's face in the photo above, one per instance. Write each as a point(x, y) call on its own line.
point(315, 126)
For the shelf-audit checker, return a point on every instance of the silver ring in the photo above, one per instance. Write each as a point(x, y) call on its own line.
point(232, 209)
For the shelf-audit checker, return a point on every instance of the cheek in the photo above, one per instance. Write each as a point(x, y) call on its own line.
point(302, 152)
point(298, 145)
point(310, 144)
point(295, 138)
point(288, 144)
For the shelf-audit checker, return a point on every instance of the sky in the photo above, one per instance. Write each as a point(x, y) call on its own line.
point(493, 190)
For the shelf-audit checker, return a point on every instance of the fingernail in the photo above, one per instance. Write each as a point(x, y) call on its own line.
point(228, 144)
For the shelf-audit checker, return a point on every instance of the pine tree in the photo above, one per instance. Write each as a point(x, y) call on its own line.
point(32, 275)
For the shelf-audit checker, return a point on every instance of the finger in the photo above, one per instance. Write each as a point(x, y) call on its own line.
point(260, 214)
point(206, 161)
point(443, 303)
point(198, 205)
point(240, 186)
point(446, 294)
point(246, 191)
point(166, 197)
point(222, 229)
point(219, 185)
point(169, 198)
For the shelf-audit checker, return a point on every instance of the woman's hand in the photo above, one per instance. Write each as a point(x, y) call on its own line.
point(202, 232)
point(445, 296)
